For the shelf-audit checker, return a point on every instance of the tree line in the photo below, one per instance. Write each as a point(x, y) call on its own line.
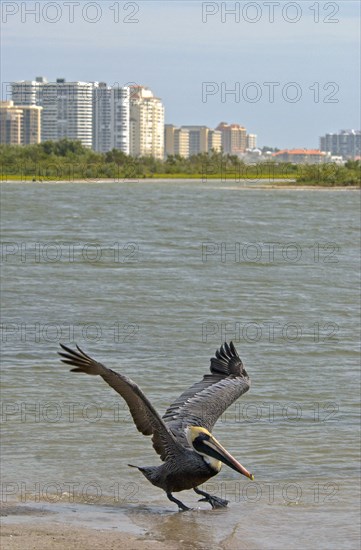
point(69, 160)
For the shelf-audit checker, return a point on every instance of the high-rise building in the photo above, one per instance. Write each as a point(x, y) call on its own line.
point(110, 118)
point(234, 138)
point(28, 92)
point(146, 123)
point(346, 143)
point(119, 116)
point(176, 141)
point(67, 107)
point(19, 124)
point(31, 124)
point(181, 142)
point(102, 141)
point(68, 111)
point(198, 139)
point(214, 141)
point(10, 123)
point(203, 139)
point(251, 141)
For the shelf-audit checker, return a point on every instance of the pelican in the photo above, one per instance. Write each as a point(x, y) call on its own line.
point(182, 437)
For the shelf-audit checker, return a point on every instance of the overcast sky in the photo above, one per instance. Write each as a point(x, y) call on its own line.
point(293, 66)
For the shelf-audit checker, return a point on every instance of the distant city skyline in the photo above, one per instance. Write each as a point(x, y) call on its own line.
point(131, 119)
point(290, 74)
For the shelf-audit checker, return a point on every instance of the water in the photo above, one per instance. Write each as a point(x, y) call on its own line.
point(150, 278)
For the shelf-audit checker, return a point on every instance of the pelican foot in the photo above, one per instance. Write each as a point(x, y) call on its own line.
point(215, 502)
point(182, 507)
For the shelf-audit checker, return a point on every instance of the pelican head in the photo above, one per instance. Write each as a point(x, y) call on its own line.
point(203, 442)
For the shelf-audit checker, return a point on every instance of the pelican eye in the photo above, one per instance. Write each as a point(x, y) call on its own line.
point(199, 440)
point(202, 437)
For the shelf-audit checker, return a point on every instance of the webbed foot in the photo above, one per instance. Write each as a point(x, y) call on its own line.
point(214, 501)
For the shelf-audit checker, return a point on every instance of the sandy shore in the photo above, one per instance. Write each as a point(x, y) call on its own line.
point(63, 526)
point(49, 536)
point(36, 528)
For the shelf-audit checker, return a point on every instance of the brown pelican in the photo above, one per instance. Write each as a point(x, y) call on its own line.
point(182, 437)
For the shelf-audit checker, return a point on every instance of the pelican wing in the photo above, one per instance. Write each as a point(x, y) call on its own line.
point(145, 417)
point(204, 402)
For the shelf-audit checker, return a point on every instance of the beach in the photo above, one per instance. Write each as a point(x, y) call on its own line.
point(40, 528)
point(36, 526)
point(50, 536)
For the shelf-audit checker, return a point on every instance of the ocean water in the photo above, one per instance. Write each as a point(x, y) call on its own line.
point(150, 278)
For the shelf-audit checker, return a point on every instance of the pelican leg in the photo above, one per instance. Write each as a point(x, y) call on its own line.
point(182, 507)
point(215, 502)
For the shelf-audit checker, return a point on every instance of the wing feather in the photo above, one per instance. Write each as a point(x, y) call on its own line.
point(204, 402)
point(145, 417)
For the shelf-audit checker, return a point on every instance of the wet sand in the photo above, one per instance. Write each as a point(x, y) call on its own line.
point(43, 525)
point(40, 528)
point(50, 536)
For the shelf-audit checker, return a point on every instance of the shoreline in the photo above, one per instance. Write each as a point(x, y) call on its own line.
point(39, 527)
point(228, 184)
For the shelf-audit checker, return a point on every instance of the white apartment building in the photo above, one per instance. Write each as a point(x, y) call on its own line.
point(67, 107)
point(251, 141)
point(27, 92)
point(68, 111)
point(119, 116)
point(102, 141)
point(146, 123)
point(110, 118)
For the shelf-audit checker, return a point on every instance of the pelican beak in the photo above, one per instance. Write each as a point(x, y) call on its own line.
point(214, 449)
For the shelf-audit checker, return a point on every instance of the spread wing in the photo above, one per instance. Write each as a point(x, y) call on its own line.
point(145, 417)
point(204, 402)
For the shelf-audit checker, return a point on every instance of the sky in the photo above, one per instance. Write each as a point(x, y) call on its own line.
point(287, 71)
